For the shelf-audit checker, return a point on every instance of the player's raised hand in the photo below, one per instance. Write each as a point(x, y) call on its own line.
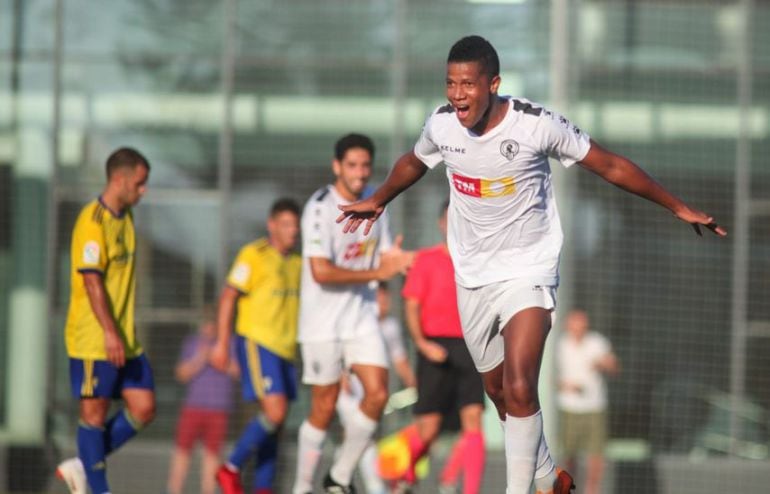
point(113, 345)
point(219, 357)
point(358, 212)
point(697, 219)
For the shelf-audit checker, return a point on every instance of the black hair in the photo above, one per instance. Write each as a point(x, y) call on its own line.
point(382, 285)
point(476, 49)
point(284, 204)
point(351, 141)
point(125, 158)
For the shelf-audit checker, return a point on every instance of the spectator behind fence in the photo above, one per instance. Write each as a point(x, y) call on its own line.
point(584, 358)
point(205, 410)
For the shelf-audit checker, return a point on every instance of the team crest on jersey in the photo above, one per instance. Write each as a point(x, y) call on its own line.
point(509, 148)
point(483, 187)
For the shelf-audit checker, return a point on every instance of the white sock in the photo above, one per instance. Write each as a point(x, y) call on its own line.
point(358, 432)
point(522, 440)
point(346, 407)
point(310, 442)
point(545, 469)
point(369, 471)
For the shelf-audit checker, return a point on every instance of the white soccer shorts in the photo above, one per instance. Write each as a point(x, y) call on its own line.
point(323, 362)
point(484, 312)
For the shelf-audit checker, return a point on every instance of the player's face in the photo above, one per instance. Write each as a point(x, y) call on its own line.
point(470, 91)
point(283, 229)
point(353, 172)
point(133, 184)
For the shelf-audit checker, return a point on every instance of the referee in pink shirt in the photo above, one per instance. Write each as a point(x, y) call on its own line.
point(446, 376)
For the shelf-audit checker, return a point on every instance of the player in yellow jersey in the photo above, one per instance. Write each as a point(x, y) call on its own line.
point(106, 360)
point(264, 285)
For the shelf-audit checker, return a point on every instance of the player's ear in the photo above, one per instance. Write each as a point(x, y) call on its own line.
point(494, 84)
point(336, 167)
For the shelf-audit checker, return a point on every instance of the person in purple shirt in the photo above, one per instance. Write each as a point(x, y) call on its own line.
point(205, 409)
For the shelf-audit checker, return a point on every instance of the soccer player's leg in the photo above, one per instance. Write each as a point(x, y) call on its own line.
point(528, 311)
point(322, 370)
point(261, 381)
point(93, 383)
point(280, 388)
point(470, 398)
point(524, 336)
point(367, 358)
point(436, 397)
point(136, 385)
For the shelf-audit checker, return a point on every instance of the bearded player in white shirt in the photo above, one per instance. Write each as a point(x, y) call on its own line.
point(505, 236)
point(338, 316)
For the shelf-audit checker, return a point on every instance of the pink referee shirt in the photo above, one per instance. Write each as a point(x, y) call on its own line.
point(431, 281)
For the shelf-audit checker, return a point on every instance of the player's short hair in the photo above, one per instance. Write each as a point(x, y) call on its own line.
point(284, 204)
point(476, 49)
point(123, 158)
point(351, 141)
point(382, 285)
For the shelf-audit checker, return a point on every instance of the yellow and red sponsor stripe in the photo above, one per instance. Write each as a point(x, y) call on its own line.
point(483, 187)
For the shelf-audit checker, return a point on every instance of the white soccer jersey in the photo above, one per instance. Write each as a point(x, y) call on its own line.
point(503, 221)
point(337, 312)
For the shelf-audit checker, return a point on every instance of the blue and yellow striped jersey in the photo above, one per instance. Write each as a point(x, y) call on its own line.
point(103, 243)
point(269, 302)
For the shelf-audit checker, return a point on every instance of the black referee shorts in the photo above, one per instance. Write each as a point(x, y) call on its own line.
point(450, 385)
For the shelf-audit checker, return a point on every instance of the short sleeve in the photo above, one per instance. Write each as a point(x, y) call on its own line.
point(415, 285)
point(425, 149)
point(243, 271)
point(317, 238)
point(89, 248)
point(561, 139)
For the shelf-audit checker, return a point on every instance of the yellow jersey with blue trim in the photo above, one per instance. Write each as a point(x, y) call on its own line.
point(269, 285)
point(102, 242)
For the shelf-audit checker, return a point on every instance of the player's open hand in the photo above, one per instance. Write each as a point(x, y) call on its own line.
point(219, 357)
point(113, 346)
point(358, 212)
point(697, 219)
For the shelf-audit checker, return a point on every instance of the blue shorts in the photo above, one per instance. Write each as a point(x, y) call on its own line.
point(100, 379)
point(263, 372)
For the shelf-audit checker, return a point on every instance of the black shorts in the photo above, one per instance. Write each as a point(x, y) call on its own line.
point(447, 387)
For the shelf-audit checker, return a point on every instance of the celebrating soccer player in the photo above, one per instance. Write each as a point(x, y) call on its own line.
point(505, 236)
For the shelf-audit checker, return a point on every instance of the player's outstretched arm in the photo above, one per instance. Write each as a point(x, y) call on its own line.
point(623, 173)
point(407, 170)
